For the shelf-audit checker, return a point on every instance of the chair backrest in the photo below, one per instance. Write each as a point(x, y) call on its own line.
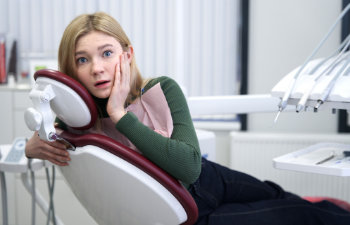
point(116, 184)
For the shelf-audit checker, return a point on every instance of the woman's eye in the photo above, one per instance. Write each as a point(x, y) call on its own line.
point(107, 53)
point(81, 60)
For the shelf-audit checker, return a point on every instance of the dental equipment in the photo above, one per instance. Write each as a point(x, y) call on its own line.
point(331, 156)
point(318, 81)
point(40, 118)
point(4, 198)
point(37, 198)
point(301, 103)
point(292, 83)
point(13, 160)
point(332, 89)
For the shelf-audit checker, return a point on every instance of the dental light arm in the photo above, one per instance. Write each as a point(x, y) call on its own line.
point(234, 104)
point(40, 117)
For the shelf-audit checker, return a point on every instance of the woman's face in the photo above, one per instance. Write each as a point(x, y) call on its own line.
point(96, 56)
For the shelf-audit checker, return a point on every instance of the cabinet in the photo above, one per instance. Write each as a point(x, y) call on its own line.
point(14, 101)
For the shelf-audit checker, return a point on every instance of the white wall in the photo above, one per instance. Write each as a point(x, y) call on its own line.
point(282, 34)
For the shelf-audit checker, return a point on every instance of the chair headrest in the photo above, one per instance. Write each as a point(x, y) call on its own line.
point(72, 103)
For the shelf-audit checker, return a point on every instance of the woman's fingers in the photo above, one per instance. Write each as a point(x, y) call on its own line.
point(57, 156)
point(117, 75)
point(124, 70)
point(57, 161)
point(58, 145)
point(58, 151)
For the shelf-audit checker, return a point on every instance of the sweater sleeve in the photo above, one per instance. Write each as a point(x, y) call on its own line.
point(60, 124)
point(179, 155)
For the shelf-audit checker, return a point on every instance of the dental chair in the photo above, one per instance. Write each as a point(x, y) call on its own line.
point(116, 184)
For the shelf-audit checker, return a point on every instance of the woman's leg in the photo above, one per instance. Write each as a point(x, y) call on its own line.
point(224, 196)
point(227, 185)
point(219, 185)
point(279, 211)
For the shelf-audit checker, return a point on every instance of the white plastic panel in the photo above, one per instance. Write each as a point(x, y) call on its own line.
point(115, 192)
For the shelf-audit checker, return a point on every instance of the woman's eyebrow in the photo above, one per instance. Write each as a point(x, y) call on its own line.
point(80, 53)
point(98, 48)
point(104, 46)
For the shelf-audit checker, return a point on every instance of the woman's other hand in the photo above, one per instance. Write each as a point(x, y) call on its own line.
point(54, 152)
point(120, 90)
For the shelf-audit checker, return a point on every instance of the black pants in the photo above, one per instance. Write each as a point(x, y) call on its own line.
point(225, 196)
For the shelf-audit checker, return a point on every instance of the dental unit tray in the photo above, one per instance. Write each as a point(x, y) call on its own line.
point(322, 158)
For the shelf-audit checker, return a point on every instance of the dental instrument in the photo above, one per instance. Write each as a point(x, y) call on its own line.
point(331, 156)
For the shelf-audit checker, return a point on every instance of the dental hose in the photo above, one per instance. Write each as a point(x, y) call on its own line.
point(51, 186)
point(4, 198)
point(33, 193)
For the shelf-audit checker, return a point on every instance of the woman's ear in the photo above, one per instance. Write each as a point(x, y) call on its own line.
point(130, 53)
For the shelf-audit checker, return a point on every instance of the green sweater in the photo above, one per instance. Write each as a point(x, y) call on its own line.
point(179, 155)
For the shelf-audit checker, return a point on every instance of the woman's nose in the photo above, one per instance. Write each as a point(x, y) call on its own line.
point(97, 67)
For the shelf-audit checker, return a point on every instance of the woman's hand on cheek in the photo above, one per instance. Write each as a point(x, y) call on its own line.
point(120, 90)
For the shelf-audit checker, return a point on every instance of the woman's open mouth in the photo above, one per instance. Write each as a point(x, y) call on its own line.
point(102, 83)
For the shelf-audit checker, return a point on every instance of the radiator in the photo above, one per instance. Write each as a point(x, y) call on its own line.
point(252, 153)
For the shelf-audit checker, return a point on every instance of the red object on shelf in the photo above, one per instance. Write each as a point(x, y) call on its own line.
point(2, 60)
point(340, 203)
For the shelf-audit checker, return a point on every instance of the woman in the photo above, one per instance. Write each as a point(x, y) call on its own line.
point(95, 51)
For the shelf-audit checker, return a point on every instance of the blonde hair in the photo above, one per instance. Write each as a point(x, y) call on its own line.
point(83, 25)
